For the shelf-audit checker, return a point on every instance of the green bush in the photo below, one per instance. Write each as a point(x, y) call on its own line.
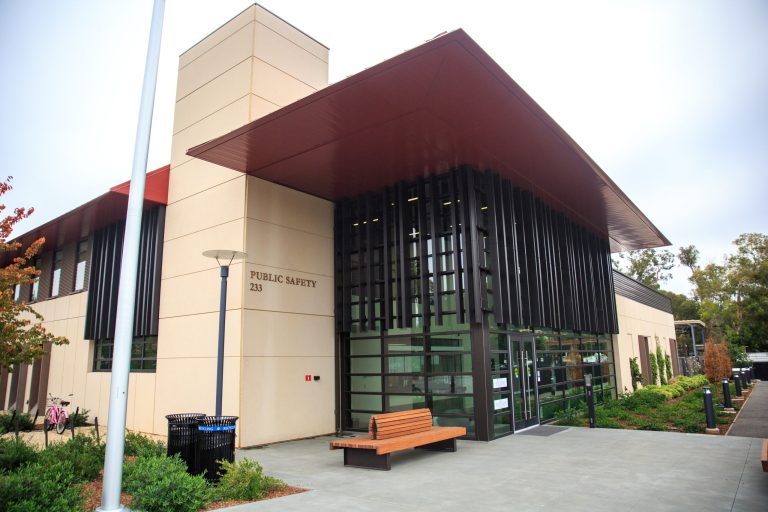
point(668, 366)
point(7, 422)
point(660, 362)
point(49, 487)
point(142, 446)
point(571, 416)
point(160, 484)
point(654, 369)
point(689, 383)
point(634, 369)
point(14, 454)
point(82, 417)
point(245, 480)
point(83, 453)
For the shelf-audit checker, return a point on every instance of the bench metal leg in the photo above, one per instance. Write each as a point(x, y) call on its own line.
point(367, 459)
point(449, 445)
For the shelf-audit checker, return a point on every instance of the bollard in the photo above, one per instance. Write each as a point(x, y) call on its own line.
point(709, 411)
point(727, 395)
point(96, 424)
point(590, 399)
point(737, 381)
point(72, 420)
point(748, 377)
point(46, 426)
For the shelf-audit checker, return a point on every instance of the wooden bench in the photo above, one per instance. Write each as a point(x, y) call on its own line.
point(764, 455)
point(393, 432)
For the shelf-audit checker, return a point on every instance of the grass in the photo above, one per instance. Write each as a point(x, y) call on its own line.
point(651, 410)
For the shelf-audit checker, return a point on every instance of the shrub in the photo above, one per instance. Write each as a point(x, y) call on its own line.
point(688, 383)
point(717, 362)
point(660, 362)
point(162, 483)
point(571, 416)
point(634, 370)
point(245, 480)
point(142, 446)
point(83, 453)
point(41, 486)
point(654, 369)
point(668, 366)
point(14, 454)
point(7, 422)
point(82, 417)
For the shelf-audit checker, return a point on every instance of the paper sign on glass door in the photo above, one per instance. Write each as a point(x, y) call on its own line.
point(501, 403)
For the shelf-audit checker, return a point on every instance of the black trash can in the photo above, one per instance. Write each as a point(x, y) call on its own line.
point(182, 437)
point(215, 441)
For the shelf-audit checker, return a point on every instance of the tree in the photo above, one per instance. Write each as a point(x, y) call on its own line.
point(717, 363)
point(649, 266)
point(683, 308)
point(22, 336)
point(733, 296)
point(689, 256)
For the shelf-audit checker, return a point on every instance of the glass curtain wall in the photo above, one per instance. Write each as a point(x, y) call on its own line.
point(430, 273)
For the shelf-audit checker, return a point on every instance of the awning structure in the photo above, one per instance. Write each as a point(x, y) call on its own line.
point(97, 213)
point(443, 104)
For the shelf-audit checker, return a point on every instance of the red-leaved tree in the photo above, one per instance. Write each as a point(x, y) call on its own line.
point(22, 336)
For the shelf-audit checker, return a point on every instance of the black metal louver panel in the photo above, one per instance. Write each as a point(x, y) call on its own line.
point(104, 278)
point(638, 292)
point(465, 243)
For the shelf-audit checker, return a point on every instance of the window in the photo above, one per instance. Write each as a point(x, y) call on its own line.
point(143, 355)
point(56, 280)
point(82, 255)
point(35, 287)
point(16, 292)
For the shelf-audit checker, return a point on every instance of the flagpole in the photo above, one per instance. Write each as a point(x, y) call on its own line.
point(121, 360)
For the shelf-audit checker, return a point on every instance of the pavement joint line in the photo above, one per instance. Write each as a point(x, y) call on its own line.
point(741, 477)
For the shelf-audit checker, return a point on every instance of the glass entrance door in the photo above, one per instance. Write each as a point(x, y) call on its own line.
point(525, 394)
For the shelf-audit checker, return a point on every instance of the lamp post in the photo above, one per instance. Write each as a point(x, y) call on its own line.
point(224, 258)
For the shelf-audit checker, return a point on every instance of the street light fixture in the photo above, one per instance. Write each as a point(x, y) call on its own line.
point(224, 258)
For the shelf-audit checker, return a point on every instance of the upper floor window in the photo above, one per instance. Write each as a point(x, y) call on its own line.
point(56, 280)
point(82, 255)
point(35, 288)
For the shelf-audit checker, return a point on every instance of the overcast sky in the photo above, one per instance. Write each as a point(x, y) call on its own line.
point(669, 97)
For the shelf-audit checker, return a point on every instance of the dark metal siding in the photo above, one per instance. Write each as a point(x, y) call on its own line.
point(631, 289)
point(104, 277)
point(514, 256)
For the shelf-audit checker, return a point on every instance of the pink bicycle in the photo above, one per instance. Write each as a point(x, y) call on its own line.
point(56, 414)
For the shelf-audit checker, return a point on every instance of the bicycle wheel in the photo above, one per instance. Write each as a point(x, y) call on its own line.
point(61, 425)
point(49, 417)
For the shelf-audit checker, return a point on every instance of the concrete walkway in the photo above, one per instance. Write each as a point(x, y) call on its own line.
point(553, 468)
point(752, 420)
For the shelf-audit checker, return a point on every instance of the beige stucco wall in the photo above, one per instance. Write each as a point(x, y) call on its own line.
point(71, 369)
point(288, 328)
point(636, 319)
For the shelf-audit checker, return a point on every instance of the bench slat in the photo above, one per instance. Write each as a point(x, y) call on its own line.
point(388, 425)
point(764, 455)
point(388, 434)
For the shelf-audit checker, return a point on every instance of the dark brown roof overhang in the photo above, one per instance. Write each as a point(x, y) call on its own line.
point(443, 104)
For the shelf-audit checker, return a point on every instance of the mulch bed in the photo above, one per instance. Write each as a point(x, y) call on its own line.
point(285, 491)
point(92, 493)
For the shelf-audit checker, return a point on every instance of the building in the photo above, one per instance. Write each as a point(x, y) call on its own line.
point(412, 240)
